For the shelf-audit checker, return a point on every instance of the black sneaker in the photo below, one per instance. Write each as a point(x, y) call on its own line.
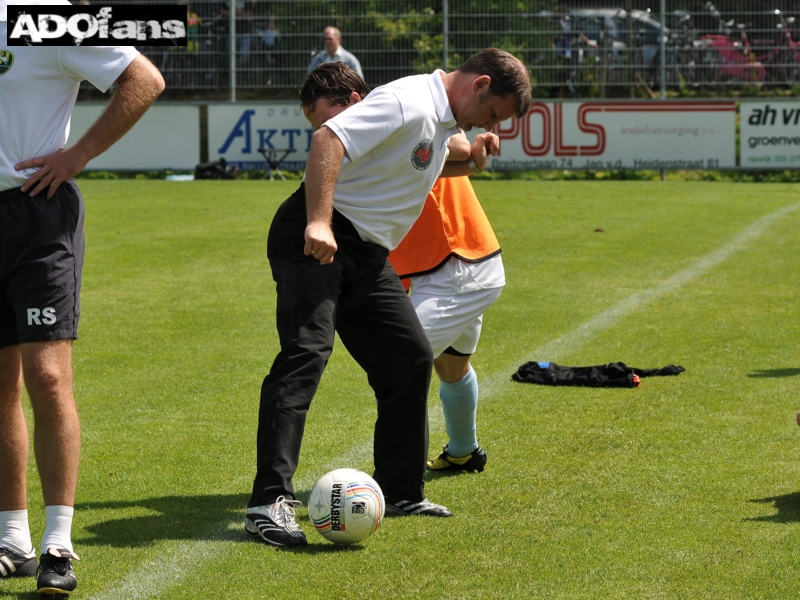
point(274, 524)
point(404, 508)
point(16, 564)
point(474, 461)
point(56, 577)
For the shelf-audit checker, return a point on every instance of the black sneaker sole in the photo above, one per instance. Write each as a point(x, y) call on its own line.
point(52, 593)
point(459, 468)
point(468, 469)
point(474, 464)
point(294, 543)
point(439, 512)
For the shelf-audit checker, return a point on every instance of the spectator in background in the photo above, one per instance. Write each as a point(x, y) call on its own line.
point(269, 41)
point(192, 28)
point(564, 54)
point(215, 40)
point(244, 31)
point(567, 52)
point(179, 63)
point(334, 52)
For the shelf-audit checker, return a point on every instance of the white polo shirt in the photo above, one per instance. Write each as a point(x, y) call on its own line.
point(38, 88)
point(396, 144)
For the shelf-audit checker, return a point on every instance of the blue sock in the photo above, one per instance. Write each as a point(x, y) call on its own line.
point(460, 407)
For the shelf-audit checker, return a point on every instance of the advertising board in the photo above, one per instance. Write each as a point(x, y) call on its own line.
point(770, 134)
point(166, 137)
point(620, 135)
point(237, 131)
point(554, 135)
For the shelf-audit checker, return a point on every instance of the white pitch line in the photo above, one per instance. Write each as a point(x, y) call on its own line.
point(178, 560)
point(578, 336)
point(171, 565)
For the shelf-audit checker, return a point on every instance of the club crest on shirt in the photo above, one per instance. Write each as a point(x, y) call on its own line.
point(422, 155)
point(6, 60)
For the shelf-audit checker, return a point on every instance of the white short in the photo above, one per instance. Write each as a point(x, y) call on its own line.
point(451, 313)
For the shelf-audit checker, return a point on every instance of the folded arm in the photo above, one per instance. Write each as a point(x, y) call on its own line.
point(484, 146)
point(138, 87)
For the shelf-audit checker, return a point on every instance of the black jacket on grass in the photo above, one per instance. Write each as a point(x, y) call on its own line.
point(609, 375)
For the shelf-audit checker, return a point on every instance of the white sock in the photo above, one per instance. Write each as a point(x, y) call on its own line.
point(14, 531)
point(57, 528)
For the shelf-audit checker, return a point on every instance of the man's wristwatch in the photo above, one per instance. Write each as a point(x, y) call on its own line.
point(472, 166)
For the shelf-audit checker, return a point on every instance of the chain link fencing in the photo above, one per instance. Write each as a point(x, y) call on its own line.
point(579, 48)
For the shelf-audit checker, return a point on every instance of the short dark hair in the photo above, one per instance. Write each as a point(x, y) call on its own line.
point(334, 82)
point(509, 75)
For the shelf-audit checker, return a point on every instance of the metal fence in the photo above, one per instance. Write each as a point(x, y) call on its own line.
point(573, 48)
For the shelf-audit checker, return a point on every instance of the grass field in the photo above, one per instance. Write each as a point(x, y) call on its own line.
point(688, 487)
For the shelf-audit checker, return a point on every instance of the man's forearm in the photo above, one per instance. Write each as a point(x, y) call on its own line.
point(456, 168)
point(138, 87)
point(324, 162)
point(470, 160)
point(459, 147)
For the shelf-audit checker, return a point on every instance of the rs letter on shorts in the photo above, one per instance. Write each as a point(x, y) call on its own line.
point(46, 316)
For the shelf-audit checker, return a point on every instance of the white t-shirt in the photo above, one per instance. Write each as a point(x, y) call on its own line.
point(396, 145)
point(38, 92)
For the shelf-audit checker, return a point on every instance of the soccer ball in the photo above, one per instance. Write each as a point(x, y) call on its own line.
point(346, 506)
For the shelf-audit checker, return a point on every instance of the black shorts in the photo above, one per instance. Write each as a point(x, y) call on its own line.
point(41, 259)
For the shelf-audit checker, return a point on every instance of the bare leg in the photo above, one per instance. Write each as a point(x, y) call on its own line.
point(47, 369)
point(451, 368)
point(13, 433)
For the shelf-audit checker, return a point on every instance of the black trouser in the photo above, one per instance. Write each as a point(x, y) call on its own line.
point(359, 296)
